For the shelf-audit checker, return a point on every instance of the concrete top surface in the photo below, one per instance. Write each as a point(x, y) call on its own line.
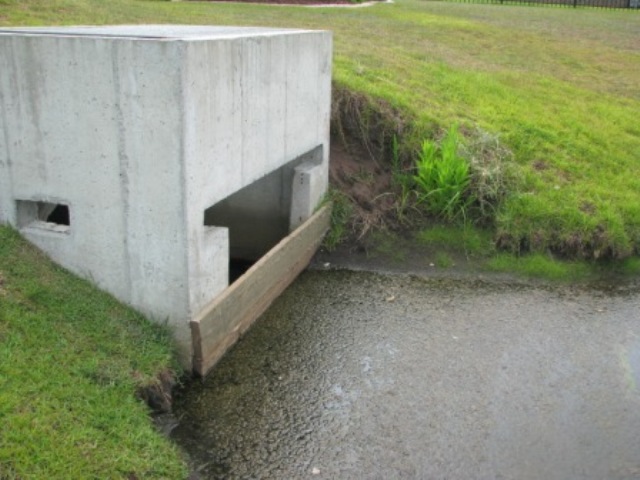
point(151, 32)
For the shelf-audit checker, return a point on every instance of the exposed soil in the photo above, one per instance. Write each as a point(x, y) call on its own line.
point(158, 394)
point(379, 240)
point(367, 182)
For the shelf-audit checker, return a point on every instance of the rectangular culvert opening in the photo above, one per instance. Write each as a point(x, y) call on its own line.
point(257, 216)
point(44, 215)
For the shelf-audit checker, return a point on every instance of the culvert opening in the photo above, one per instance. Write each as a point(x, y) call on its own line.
point(59, 215)
point(237, 268)
point(44, 215)
point(259, 215)
point(257, 218)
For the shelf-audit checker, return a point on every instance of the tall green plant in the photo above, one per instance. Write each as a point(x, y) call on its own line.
point(341, 211)
point(401, 179)
point(442, 177)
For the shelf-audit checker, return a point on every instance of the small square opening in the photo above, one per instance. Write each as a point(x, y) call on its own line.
point(44, 215)
point(59, 215)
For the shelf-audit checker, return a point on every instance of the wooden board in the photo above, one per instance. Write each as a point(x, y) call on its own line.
point(228, 316)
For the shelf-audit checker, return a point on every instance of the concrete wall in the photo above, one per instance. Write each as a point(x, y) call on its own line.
point(96, 124)
point(138, 130)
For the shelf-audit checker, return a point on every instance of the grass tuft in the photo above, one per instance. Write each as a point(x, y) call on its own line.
point(442, 177)
point(443, 260)
point(341, 211)
point(473, 241)
point(631, 266)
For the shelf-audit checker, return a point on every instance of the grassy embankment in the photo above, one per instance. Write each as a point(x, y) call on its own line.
point(71, 359)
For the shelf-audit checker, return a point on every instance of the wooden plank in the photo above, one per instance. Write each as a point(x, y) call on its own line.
point(229, 315)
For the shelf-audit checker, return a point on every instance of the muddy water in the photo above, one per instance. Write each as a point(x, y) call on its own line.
point(363, 376)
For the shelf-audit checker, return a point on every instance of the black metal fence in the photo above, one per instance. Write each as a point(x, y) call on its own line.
point(629, 4)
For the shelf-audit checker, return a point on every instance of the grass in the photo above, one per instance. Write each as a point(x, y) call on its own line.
point(561, 98)
point(473, 242)
point(71, 359)
point(442, 177)
point(474, 249)
point(559, 87)
point(341, 209)
point(389, 246)
point(541, 266)
point(469, 250)
point(443, 260)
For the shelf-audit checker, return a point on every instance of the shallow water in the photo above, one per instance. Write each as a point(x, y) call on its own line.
point(358, 375)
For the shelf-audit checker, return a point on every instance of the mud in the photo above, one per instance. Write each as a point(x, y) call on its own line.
point(360, 375)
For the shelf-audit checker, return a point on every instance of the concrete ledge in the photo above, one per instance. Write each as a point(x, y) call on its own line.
point(307, 189)
point(228, 316)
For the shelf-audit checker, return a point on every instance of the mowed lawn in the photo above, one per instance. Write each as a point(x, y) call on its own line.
point(560, 86)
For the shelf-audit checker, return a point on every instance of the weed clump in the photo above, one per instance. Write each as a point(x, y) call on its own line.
point(442, 177)
point(341, 212)
point(458, 177)
point(491, 172)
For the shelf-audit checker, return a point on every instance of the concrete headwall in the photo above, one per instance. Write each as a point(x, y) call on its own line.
point(258, 102)
point(95, 124)
point(138, 130)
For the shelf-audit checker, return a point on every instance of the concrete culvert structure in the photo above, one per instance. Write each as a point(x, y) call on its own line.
point(145, 157)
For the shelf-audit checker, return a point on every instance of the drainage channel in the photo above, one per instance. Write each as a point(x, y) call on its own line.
point(358, 375)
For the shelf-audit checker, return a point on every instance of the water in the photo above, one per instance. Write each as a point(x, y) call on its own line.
point(357, 375)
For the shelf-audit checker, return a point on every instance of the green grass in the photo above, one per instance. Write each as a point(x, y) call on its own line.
point(469, 250)
point(442, 177)
point(341, 209)
point(475, 250)
point(542, 266)
point(631, 266)
point(443, 260)
point(71, 359)
point(558, 85)
point(474, 242)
